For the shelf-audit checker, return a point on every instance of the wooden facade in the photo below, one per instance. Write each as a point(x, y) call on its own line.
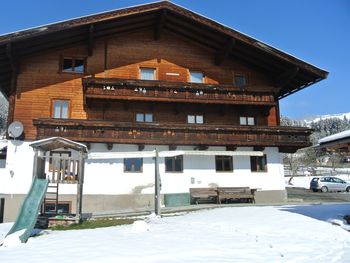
point(103, 99)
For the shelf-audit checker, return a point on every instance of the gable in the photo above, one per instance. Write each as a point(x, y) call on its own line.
point(289, 73)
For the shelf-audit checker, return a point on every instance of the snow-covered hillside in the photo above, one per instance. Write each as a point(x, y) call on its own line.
point(328, 116)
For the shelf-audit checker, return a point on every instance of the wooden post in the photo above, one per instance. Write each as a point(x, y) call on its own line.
point(80, 188)
point(157, 185)
point(35, 165)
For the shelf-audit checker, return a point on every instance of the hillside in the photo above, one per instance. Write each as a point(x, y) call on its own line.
point(340, 116)
point(323, 125)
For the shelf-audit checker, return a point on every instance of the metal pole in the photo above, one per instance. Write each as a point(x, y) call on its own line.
point(80, 185)
point(157, 185)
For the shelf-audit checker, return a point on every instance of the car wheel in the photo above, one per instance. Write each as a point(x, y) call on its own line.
point(324, 189)
point(348, 189)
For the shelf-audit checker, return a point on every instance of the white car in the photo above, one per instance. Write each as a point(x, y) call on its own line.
point(329, 184)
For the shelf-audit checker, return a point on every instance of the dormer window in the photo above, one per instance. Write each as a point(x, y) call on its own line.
point(147, 73)
point(196, 77)
point(73, 65)
point(240, 80)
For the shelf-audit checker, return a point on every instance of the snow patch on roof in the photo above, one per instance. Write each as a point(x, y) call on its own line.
point(335, 137)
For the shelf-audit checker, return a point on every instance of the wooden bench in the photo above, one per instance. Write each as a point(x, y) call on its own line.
point(239, 193)
point(203, 195)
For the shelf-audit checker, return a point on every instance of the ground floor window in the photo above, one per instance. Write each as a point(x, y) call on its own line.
point(62, 208)
point(223, 163)
point(258, 163)
point(133, 165)
point(174, 164)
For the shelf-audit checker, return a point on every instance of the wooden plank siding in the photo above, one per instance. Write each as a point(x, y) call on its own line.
point(174, 134)
point(40, 80)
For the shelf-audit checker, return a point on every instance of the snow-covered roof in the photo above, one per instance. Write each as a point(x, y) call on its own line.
point(335, 137)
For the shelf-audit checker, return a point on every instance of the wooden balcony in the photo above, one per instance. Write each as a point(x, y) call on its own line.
point(149, 90)
point(288, 139)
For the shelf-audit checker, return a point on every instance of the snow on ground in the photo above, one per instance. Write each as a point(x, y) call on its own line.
point(235, 234)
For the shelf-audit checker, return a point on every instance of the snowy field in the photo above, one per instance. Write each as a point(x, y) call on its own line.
point(235, 234)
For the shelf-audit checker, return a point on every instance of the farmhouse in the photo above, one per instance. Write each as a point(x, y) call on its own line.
point(153, 76)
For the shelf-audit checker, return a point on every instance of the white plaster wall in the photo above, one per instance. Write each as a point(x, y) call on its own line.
point(241, 175)
point(107, 176)
point(16, 177)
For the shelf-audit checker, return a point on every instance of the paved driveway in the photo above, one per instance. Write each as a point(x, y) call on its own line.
point(309, 196)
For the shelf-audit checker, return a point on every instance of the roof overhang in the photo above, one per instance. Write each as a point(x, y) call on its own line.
point(337, 142)
point(55, 143)
point(289, 73)
point(149, 154)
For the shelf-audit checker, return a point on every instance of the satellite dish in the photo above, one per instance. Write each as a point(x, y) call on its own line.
point(15, 129)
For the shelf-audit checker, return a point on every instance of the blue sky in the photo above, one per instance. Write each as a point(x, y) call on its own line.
point(316, 31)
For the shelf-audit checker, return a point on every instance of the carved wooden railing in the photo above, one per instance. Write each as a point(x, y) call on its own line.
point(172, 134)
point(149, 90)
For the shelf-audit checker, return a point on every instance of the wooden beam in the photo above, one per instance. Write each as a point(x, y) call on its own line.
point(191, 35)
point(172, 147)
point(197, 29)
point(12, 58)
point(91, 41)
point(231, 148)
point(201, 148)
point(223, 53)
point(14, 68)
point(109, 146)
point(160, 24)
point(258, 148)
point(286, 77)
point(141, 147)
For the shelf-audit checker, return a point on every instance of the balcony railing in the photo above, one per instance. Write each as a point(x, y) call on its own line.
point(290, 138)
point(149, 90)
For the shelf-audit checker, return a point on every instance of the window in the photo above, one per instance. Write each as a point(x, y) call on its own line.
point(223, 163)
point(144, 117)
point(133, 165)
point(174, 164)
point(62, 208)
point(258, 163)
point(198, 119)
point(147, 73)
point(196, 77)
point(247, 121)
point(240, 80)
point(75, 65)
point(60, 109)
